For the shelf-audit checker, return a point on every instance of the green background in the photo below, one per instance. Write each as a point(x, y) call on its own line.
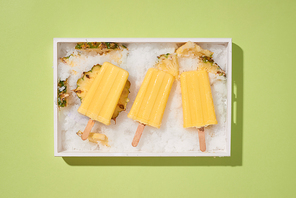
point(263, 134)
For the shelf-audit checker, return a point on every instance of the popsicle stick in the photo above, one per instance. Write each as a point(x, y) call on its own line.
point(87, 129)
point(138, 134)
point(202, 140)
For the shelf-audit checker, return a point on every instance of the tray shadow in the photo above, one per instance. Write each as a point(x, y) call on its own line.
point(236, 135)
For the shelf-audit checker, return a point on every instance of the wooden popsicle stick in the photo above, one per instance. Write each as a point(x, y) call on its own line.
point(87, 129)
point(202, 139)
point(138, 134)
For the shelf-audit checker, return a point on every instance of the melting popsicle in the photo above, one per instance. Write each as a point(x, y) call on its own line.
point(197, 102)
point(103, 95)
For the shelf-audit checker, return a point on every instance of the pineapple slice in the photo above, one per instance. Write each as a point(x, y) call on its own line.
point(84, 83)
point(96, 138)
point(168, 63)
point(206, 61)
point(192, 50)
point(63, 93)
point(100, 47)
point(208, 64)
point(66, 59)
point(123, 100)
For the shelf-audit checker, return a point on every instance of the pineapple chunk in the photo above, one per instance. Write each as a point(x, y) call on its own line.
point(96, 138)
point(62, 93)
point(192, 50)
point(168, 63)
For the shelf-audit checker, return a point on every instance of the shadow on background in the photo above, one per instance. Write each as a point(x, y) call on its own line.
point(236, 135)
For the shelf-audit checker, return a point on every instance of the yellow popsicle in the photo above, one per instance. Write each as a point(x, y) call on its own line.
point(104, 93)
point(197, 101)
point(152, 97)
